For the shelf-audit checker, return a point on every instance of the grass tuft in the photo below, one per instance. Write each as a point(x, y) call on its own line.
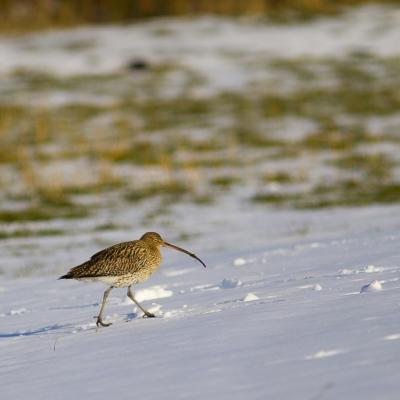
point(171, 190)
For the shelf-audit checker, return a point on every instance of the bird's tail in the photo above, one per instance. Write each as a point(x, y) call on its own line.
point(77, 272)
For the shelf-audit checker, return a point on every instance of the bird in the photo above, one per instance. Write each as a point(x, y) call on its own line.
point(123, 265)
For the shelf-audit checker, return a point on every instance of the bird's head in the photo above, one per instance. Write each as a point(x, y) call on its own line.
point(154, 239)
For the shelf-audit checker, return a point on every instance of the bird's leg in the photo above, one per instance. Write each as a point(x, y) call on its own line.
point(100, 316)
point(130, 295)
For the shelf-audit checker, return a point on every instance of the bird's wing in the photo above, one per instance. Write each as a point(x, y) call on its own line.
point(120, 259)
point(114, 251)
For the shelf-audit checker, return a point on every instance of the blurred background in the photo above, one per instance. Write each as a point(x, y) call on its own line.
point(193, 118)
point(29, 14)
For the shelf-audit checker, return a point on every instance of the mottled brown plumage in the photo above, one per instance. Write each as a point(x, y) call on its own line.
point(124, 264)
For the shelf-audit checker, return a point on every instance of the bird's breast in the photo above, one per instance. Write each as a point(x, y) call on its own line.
point(154, 262)
point(147, 265)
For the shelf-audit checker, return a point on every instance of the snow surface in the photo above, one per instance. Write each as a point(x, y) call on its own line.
point(250, 297)
point(374, 286)
point(289, 342)
point(317, 287)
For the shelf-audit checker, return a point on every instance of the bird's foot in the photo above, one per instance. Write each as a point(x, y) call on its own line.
point(148, 315)
point(100, 322)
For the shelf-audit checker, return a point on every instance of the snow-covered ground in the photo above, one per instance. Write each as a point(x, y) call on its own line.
point(285, 318)
point(293, 304)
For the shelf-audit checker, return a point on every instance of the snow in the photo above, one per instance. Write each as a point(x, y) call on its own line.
point(250, 297)
point(394, 336)
point(206, 342)
point(371, 269)
point(239, 262)
point(324, 354)
point(317, 287)
point(374, 286)
point(230, 283)
point(18, 311)
point(152, 293)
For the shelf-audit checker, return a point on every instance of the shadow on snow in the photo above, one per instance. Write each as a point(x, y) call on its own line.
point(39, 331)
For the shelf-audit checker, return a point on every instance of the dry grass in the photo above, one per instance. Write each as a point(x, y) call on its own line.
point(18, 15)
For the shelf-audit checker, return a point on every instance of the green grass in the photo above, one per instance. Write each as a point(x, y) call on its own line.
point(357, 91)
point(143, 153)
point(93, 188)
point(225, 181)
point(346, 193)
point(287, 200)
point(170, 190)
point(212, 163)
point(51, 203)
point(26, 233)
point(375, 167)
point(279, 176)
point(172, 113)
point(354, 193)
point(108, 226)
point(29, 214)
point(41, 214)
point(336, 138)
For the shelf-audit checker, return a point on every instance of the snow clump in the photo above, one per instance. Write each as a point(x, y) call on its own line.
point(250, 297)
point(18, 311)
point(346, 271)
point(371, 268)
point(237, 262)
point(155, 292)
point(394, 336)
point(374, 286)
point(324, 354)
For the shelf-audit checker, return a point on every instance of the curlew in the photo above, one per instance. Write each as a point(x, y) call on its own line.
point(123, 265)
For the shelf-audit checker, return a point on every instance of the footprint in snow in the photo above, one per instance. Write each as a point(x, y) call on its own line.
point(84, 327)
point(230, 283)
point(74, 307)
point(204, 288)
point(32, 332)
point(18, 311)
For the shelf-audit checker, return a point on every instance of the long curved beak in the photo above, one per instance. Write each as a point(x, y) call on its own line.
point(184, 251)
